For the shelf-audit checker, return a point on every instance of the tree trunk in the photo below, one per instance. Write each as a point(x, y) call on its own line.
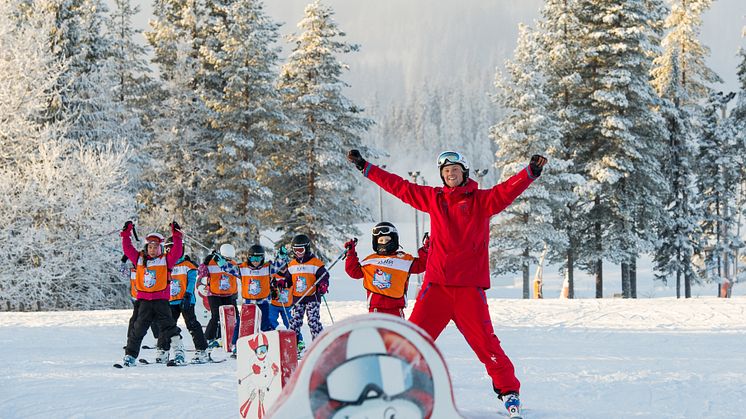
point(599, 263)
point(570, 273)
point(625, 280)
point(687, 286)
point(633, 277)
point(526, 294)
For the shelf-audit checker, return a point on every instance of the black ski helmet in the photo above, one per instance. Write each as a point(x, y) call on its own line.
point(301, 240)
point(256, 250)
point(385, 229)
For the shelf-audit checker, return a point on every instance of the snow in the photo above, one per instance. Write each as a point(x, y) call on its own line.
point(586, 358)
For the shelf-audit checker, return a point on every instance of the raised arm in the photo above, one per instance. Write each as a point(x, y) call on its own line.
point(503, 194)
point(127, 247)
point(352, 263)
point(178, 247)
point(415, 195)
point(420, 262)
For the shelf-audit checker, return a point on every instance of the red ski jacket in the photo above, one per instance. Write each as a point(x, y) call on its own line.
point(459, 222)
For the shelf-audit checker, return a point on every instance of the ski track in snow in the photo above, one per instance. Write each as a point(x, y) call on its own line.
point(648, 358)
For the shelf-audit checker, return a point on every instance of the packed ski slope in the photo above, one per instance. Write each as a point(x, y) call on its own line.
point(611, 358)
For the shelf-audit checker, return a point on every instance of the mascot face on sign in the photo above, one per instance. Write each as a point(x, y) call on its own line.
point(381, 376)
point(373, 366)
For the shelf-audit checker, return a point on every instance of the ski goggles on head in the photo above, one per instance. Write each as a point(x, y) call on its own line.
point(452, 157)
point(384, 230)
point(256, 259)
point(353, 381)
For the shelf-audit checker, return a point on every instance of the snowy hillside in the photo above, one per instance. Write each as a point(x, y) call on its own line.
point(612, 358)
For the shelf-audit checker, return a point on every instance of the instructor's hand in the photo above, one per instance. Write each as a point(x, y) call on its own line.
point(537, 164)
point(354, 157)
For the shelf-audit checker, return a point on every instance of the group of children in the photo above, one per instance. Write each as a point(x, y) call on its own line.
point(290, 287)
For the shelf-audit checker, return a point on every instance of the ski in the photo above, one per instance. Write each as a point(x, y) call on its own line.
point(173, 363)
point(120, 366)
point(146, 362)
point(147, 347)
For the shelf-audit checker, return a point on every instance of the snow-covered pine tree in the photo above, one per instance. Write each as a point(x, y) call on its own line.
point(58, 200)
point(738, 118)
point(561, 33)
point(682, 31)
point(319, 197)
point(621, 135)
point(175, 184)
point(529, 127)
point(86, 87)
point(135, 90)
point(680, 235)
point(247, 113)
point(720, 165)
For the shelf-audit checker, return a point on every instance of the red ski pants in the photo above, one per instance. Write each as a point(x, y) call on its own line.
point(437, 304)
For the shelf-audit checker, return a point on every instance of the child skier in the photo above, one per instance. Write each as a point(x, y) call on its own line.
point(183, 280)
point(151, 280)
point(255, 278)
point(386, 273)
point(282, 286)
point(222, 288)
point(311, 282)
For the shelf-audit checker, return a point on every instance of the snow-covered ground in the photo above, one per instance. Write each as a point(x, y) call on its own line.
point(586, 358)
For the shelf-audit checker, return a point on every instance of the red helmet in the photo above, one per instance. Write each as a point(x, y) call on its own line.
point(259, 344)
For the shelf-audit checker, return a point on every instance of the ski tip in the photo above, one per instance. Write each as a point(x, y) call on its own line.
point(118, 366)
point(143, 361)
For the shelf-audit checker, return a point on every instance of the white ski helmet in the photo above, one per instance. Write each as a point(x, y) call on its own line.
point(448, 158)
point(228, 250)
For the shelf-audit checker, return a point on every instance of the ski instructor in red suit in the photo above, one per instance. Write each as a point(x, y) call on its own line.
point(457, 271)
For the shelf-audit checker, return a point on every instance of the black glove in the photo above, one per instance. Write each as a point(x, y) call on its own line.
point(537, 164)
point(124, 258)
point(175, 225)
point(354, 157)
point(186, 301)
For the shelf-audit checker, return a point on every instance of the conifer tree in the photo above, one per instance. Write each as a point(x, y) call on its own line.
point(318, 198)
point(620, 135)
point(530, 127)
point(175, 185)
point(240, 60)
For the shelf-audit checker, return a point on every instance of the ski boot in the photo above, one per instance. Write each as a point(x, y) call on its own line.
point(212, 344)
point(512, 404)
point(129, 361)
point(161, 356)
point(301, 348)
point(233, 354)
point(200, 357)
point(178, 347)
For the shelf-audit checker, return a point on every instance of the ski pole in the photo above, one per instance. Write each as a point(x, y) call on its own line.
point(194, 240)
point(340, 257)
point(327, 308)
